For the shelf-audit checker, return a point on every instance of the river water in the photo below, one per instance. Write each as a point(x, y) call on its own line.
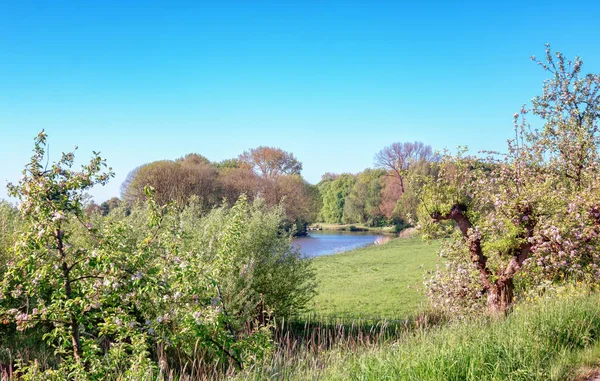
point(319, 243)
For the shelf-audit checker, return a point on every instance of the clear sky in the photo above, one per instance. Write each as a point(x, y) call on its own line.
point(332, 82)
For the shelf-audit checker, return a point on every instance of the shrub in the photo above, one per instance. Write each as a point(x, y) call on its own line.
point(143, 289)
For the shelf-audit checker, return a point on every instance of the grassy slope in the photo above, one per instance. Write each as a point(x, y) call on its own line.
point(550, 340)
point(377, 281)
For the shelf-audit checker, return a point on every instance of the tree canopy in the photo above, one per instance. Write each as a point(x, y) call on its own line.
point(269, 162)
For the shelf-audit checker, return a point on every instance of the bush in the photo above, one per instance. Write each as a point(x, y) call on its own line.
point(144, 289)
point(263, 266)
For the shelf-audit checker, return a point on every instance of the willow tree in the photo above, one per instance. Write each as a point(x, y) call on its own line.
point(534, 210)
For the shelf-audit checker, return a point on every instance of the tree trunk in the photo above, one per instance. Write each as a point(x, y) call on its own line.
point(500, 297)
point(501, 292)
point(75, 335)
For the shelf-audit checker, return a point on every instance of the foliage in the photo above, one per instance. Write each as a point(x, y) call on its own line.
point(113, 294)
point(269, 162)
point(362, 203)
point(398, 159)
point(175, 181)
point(334, 192)
point(259, 268)
point(9, 226)
point(535, 208)
point(228, 164)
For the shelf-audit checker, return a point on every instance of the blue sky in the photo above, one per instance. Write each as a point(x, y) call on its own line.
point(332, 82)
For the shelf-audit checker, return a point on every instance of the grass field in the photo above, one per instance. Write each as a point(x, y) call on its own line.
point(383, 281)
point(555, 339)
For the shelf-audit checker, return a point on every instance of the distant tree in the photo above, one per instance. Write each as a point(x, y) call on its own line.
point(193, 159)
point(399, 157)
point(329, 176)
point(159, 174)
point(92, 208)
point(269, 162)
point(334, 193)
point(406, 206)
point(362, 204)
point(296, 197)
point(175, 181)
point(228, 164)
point(390, 194)
point(109, 205)
point(126, 193)
point(234, 182)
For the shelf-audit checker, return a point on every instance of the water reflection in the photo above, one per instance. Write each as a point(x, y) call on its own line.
point(319, 243)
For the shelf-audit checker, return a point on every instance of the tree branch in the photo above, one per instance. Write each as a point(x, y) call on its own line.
point(457, 214)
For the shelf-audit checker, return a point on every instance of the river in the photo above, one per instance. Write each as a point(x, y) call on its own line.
point(319, 243)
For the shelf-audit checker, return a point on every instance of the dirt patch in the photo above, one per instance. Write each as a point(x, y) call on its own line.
point(407, 233)
point(588, 375)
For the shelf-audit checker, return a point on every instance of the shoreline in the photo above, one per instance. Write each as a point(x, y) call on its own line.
point(386, 230)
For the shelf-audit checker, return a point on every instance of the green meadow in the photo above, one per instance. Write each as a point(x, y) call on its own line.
point(382, 281)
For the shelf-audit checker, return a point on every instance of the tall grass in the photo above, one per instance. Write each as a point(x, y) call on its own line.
point(548, 341)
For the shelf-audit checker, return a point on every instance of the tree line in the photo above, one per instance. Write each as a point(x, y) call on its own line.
point(379, 196)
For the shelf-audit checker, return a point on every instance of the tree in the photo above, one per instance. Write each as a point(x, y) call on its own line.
point(296, 197)
point(399, 157)
point(127, 194)
point(109, 205)
point(362, 203)
point(193, 159)
point(269, 162)
point(58, 284)
point(534, 211)
point(175, 181)
point(390, 194)
point(334, 193)
point(234, 182)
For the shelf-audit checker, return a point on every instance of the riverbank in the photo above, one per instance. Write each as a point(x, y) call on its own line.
point(353, 228)
point(328, 242)
point(380, 281)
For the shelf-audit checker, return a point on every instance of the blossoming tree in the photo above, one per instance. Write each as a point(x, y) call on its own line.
point(534, 211)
